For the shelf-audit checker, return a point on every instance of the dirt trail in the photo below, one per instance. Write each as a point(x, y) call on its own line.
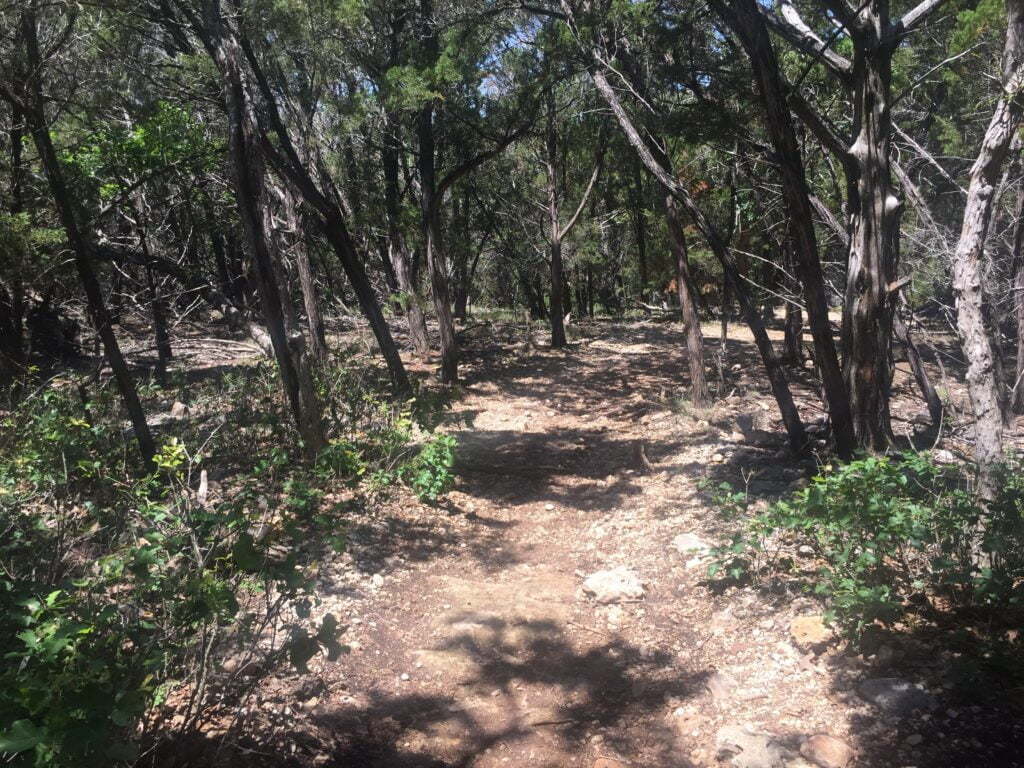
point(474, 645)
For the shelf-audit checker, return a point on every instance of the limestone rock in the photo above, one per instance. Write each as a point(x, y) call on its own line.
point(617, 585)
point(179, 410)
point(809, 632)
point(827, 751)
point(744, 747)
point(899, 697)
point(720, 685)
point(688, 543)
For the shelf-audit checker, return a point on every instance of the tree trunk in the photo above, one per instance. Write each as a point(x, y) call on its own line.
point(924, 382)
point(401, 263)
point(688, 307)
point(557, 290)
point(874, 233)
point(640, 227)
point(748, 23)
point(307, 283)
point(554, 222)
point(793, 334)
point(780, 387)
point(253, 201)
point(430, 208)
point(1017, 392)
point(968, 267)
point(82, 247)
point(12, 300)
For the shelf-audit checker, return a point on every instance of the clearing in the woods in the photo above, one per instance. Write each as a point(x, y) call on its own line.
point(479, 638)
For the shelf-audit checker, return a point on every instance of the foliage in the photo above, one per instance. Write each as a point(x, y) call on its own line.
point(886, 530)
point(429, 474)
point(119, 587)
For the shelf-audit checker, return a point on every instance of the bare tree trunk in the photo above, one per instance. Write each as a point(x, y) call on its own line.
point(307, 283)
point(968, 266)
point(776, 376)
point(330, 219)
point(254, 208)
point(554, 224)
point(1017, 392)
point(397, 250)
point(874, 234)
point(747, 22)
point(12, 297)
point(35, 116)
point(430, 206)
point(640, 226)
point(687, 306)
point(793, 334)
point(924, 382)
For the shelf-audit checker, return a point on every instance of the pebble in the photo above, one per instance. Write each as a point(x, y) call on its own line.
point(405, 676)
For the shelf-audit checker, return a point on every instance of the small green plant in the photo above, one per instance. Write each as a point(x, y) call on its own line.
point(429, 474)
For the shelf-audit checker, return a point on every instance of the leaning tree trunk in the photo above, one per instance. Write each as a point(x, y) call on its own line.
point(687, 306)
point(252, 197)
point(748, 23)
point(307, 283)
point(968, 266)
point(776, 376)
point(81, 245)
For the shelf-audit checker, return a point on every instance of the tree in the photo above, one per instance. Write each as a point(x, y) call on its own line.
point(968, 270)
point(27, 98)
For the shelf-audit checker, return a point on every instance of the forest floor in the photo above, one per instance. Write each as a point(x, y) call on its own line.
point(474, 643)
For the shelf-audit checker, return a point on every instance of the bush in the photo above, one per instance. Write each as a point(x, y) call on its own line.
point(887, 530)
point(121, 590)
point(429, 474)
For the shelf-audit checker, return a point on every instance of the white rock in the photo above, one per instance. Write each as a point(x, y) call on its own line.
point(614, 586)
point(688, 543)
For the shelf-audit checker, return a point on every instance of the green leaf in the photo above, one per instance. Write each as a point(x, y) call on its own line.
point(245, 555)
point(23, 735)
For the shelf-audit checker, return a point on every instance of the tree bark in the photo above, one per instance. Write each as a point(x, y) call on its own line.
point(968, 266)
point(746, 21)
point(874, 233)
point(78, 238)
point(1017, 391)
point(398, 251)
point(307, 283)
point(252, 197)
point(687, 305)
point(776, 376)
point(433, 242)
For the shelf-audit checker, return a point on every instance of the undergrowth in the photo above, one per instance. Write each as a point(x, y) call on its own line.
point(886, 535)
point(121, 591)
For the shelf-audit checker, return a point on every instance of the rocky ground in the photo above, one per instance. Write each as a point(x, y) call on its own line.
point(556, 610)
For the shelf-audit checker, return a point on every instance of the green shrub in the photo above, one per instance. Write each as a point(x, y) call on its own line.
point(429, 474)
point(886, 529)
